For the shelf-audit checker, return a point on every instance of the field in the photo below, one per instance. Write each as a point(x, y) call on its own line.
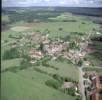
point(8, 63)
point(29, 84)
point(18, 87)
point(81, 24)
point(19, 28)
point(67, 28)
point(66, 69)
point(97, 69)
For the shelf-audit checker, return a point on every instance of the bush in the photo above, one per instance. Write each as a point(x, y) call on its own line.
point(58, 78)
point(11, 54)
point(60, 58)
point(70, 91)
point(12, 69)
point(60, 29)
point(66, 79)
point(48, 65)
point(52, 83)
point(24, 64)
point(80, 62)
point(10, 36)
point(5, 41)
point(83, 23)
point(39, 70)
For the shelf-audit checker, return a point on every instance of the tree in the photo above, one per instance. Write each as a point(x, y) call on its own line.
point(41, 47)
point(58, 78)
point(80, 62)
point(47, 31)
point(60, 29)
point(72, 45)
point(10, 36)
point(70, 91)
point(24, 63)
point(66, 38)
point(53, 83)
point(11, 53)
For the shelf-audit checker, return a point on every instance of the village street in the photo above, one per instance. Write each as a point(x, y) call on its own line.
point(81, 84)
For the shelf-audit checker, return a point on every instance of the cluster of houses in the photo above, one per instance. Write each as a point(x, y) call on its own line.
point(93, 84)
point(53, 48)
point(61, 48)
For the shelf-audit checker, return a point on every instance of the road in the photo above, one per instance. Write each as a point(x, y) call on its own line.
point(81, 73)
point(81, 87)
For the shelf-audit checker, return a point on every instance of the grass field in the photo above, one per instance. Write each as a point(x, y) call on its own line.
point(67, 27)
point(53, 27)
point(19, 28)
point(97, 69)
point(10, 63)
point(27, 84)
point(66, 69)
point(16, 87)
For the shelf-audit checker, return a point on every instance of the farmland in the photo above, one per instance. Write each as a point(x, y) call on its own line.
point(14, 84)
point(23, 81)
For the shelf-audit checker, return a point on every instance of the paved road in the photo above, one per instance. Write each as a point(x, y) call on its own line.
point(82, 89)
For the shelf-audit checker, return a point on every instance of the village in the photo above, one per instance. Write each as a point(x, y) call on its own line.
point(39, 45)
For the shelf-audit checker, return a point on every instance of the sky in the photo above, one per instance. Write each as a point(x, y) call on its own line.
point(69, 3)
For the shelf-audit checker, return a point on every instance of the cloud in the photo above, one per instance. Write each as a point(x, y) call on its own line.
point(87, 3)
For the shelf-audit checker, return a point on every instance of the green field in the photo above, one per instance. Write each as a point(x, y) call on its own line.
point(97, 69)
point(29, 84)
point(16, 87)
point(66, 69)
point(10, 63)
point(53, 27)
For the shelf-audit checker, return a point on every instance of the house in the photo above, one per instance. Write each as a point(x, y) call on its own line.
point(67, 85)
point(32, 62)
point(87, 63)
point(96, 85)
point(35, 54)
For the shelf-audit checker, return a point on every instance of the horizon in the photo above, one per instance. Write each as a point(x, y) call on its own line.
point(52, 3)
point(49, 7)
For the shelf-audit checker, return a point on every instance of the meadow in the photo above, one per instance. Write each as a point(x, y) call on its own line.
point(18, 87)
